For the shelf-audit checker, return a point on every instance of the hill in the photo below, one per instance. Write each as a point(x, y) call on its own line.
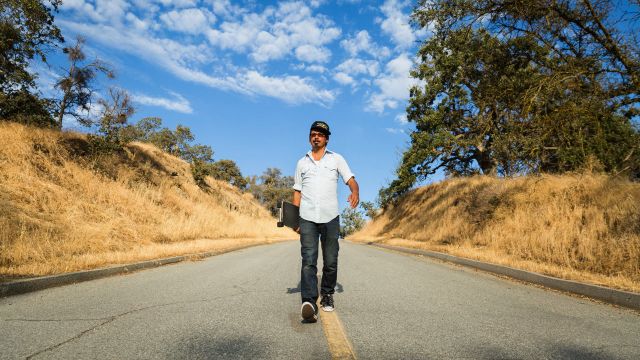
point(63, 209)
point(583, 227)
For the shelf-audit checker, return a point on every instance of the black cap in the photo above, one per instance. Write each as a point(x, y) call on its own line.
point(321, 126)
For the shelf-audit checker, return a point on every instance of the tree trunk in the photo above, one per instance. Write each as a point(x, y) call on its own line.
point(63, 108)
point(486, 163)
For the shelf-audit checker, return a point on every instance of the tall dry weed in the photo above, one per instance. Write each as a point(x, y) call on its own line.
point(581, 223)
point(59, 204)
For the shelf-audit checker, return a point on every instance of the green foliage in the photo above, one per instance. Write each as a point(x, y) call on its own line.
point(228, 171)
point(141, 131)
point(351, 220)
point(27, 31)
point(516, 87)
point(270, 188)
point(114, 117)
point(25, 108)
point(369, 209)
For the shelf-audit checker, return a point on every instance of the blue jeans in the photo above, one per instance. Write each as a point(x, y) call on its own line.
point(328, 234)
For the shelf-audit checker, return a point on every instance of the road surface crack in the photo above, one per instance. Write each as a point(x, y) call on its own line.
point(110, 319)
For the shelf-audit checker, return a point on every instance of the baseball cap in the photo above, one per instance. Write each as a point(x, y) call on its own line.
point(321, 126)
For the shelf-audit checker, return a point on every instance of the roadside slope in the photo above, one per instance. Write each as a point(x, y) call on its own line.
point(580, 227)
point(63, 209)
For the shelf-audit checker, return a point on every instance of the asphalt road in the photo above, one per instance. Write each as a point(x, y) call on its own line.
point(245, 304)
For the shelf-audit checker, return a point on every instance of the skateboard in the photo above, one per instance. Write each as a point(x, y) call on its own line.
point(288, 215)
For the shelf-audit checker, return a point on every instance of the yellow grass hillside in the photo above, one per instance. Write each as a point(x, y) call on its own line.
point(581, 227)
point(62, 210)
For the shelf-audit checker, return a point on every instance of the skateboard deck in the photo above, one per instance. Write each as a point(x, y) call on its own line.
point(288, 215)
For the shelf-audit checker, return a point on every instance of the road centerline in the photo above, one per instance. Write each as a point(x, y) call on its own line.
point(339, 345)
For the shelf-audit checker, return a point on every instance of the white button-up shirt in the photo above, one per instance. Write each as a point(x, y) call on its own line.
point(318, 183)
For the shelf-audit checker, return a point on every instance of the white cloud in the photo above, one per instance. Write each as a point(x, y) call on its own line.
point(315, 68)
point(178, 3)
point(149, 30)
point(291, 89)
point(225, 8)
point(359, 66)
point(99, 10)
point(239, 36)
point(343, 78)
point(402, 118)
point(185, 61)
point(396, 24)
point(177, 103)
point(316, 3)
point(191, 21)
point(311, 54)
point(137, 23)
point(46, 78)
point(289, 29)
point(362, 42)
point(393, 85)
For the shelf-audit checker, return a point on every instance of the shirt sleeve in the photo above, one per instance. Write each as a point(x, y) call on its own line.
point(297, 178)
point(343, 169)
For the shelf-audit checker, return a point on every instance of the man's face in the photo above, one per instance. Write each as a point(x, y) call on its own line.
point(317, 139)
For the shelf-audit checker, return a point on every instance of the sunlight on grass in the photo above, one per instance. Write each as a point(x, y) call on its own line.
point(62, 210)
point(582, 226)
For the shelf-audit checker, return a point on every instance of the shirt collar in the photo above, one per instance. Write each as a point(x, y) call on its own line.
point(326, 152)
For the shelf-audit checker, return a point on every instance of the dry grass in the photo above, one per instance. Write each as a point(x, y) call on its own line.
point(63, 210)
point(583, 227)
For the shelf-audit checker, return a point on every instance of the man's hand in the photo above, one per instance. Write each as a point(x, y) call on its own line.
point(354, 199)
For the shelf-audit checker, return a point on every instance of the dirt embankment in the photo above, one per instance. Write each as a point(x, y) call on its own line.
point(62, 209)
point(580, 227)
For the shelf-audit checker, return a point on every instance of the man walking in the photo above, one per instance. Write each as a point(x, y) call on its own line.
point(316, 193)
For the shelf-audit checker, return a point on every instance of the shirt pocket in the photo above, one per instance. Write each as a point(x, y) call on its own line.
point(330, 171)
point(309, 170)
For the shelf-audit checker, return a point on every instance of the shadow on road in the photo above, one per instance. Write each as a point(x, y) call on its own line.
point(234, 347)
point(295, 290)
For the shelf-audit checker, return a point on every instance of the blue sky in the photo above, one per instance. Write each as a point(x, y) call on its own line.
point(249, 77)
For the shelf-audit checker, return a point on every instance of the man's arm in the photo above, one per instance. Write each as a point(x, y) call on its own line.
point(297, 195)
point(354, 198)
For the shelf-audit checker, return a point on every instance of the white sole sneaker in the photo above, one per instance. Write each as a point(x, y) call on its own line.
point(308, 312)
point(327, 308)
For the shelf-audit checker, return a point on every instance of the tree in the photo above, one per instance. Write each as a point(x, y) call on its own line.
point(115, 115)
point(26, 108)
point(228, 171)
point(515, 87)
point(27, 31)
point(142, 130)
point(351, 221)
point(270, 188)
point(76, 84)
point(175, 142)
point(588, 32)
point(369, 209)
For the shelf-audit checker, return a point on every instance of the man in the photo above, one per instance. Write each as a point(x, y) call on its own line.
point(316, 193)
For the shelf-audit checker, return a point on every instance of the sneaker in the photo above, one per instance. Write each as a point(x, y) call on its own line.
point(309, 312)
point(327, 302)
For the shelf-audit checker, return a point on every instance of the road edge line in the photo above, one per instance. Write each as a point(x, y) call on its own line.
point(28, 285)
point(612, 296)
